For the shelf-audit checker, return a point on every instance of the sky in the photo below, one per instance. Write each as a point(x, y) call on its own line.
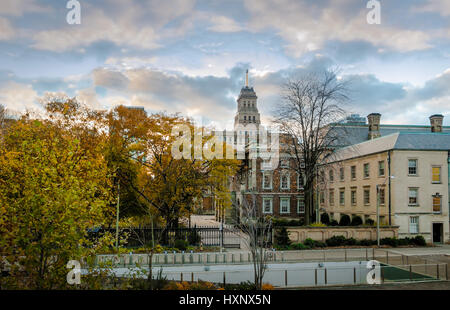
point(190, 56)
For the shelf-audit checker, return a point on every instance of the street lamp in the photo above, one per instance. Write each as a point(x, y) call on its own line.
point(378, 207)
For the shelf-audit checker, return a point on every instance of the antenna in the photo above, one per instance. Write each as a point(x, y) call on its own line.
point(246, 79)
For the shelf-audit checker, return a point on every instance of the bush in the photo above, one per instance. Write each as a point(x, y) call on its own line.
point(419, 240)
point(356, 221)
point(370, 222)
point(181, 244)
point(389, 241)
point(351, 241)
point(194, 237)
point(298, 246)
point(309, 242)
point(334, 223)
point(282, 237)
point(345, 220)
point(325, 219)
point(366, 242)
point(336, 241)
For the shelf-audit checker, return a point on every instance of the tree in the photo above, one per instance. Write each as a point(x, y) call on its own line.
point(258, 229)
point(51, 191)
point(307, 115)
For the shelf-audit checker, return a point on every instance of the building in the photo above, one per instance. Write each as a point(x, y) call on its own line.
point(402, 169)
point(267, 177)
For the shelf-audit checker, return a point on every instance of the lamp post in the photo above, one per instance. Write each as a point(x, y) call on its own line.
point(378, 207)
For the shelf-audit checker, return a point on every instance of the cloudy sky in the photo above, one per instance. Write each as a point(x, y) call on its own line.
point(190, 56)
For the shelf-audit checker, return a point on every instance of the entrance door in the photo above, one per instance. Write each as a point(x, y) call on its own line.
point(437, 232)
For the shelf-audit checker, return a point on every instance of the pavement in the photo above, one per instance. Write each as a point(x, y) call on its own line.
point(434, 250)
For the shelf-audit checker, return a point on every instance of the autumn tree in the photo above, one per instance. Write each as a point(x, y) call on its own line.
point(53, 188)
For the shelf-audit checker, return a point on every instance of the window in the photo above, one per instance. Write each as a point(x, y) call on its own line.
point(284, 205)
point(367, 195)
point(284, 163)
point(342, 196)
point(299, 181)
point(301, 204)
point(353, 197)
point(353, 172)
point(381, 168)
point(245, 118)
point(331, 197)
point(331, 175)
point(322, 197)
point(412, 166)
point(267, 180)
point(253, 119)
point(267, 204)
point(412, 196)
point(381, 195)
point(414, 224)
point(267, 164)
point(366, 170)
point(437, 203)
point(436, 178)
point(285, 180)
point(341, 174)
point(322, 176)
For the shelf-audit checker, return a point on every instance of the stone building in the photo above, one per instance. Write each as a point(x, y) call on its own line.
point(401, 170)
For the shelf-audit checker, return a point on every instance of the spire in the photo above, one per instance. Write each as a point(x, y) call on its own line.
point(246, 79)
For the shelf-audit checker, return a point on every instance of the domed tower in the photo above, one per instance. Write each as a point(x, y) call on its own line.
point(247, 109)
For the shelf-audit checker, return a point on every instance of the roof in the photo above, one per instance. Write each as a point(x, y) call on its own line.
point(417, 141)
point(354, 134)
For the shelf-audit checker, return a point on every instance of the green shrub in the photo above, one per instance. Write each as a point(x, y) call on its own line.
point(405, 241)
point(334, 223)
point(299, 246)
point(356, 221)
point(309, 242)
point(282, 237)
point(366, 242)
point(345, 220)
point(389, 241)
point(194, 237)
point(419, 240)
point(351, 241)
point(181, 244)
point(336, 241)
point(325, 218)
point(370, 222)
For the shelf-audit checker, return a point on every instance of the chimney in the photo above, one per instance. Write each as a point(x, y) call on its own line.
point(374, 125)
point(436, 121)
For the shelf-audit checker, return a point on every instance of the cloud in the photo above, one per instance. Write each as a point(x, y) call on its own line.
point(307, 27)
point(18, 97)
point(441, 7)
point(6, 30)
point(20, 7)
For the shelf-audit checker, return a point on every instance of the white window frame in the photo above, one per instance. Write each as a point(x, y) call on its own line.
point(414, 227)
point(367, 188)
point(440, 174)
point(416, 189)
point(288, 183)
point(416, 166)
point(384, 168)
point(264, 205)
point(368, 170)
point(301, 202)
point(264, 177)
point(341, 202)
point(288, 205)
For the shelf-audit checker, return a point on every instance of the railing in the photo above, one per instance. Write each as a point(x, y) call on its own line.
point(207, 236)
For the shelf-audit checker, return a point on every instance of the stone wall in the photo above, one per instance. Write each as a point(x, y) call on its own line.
point(299, 234)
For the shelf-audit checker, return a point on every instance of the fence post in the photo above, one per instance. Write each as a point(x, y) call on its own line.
point(315, 276)
point(382, 274)
point(285, 278)
point(192, 277)
point(181, 277)
point(426, 267)
point(387, 257)
point(345, 253)
point(354, 275)
point(224, 279)
point(410, 273)
point(437, 271)
point(446, 271)
point(326, 282)
point(373, 253)
point(367, 254)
